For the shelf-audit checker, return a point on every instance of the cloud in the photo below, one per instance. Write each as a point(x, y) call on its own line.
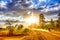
point(4, 18)
point(3, 4)
point(49, 7)
point(49, 17)
point(52, 9)
point(19, 4)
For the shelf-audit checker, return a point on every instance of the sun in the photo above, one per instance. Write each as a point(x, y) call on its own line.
point(32, 20)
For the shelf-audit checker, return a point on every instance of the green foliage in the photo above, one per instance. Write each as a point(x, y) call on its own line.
point(25, 31)
point(20, 27)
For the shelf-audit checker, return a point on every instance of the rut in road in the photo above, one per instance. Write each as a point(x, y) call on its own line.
point(34, 35)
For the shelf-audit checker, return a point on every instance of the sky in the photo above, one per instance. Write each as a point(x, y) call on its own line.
point(30, 4)
point(48, 7)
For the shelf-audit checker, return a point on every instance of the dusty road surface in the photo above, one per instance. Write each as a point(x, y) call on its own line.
point(35, 35)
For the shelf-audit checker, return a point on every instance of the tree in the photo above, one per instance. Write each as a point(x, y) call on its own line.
point(52, 24)
point(59, 20)
point(42, 21)
point(8, 22)
point(11, 29)
point(20, 27)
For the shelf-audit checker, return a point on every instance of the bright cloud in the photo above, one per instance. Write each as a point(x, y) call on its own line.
point(3, 4)
point(3, 17)
point(43, 0)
